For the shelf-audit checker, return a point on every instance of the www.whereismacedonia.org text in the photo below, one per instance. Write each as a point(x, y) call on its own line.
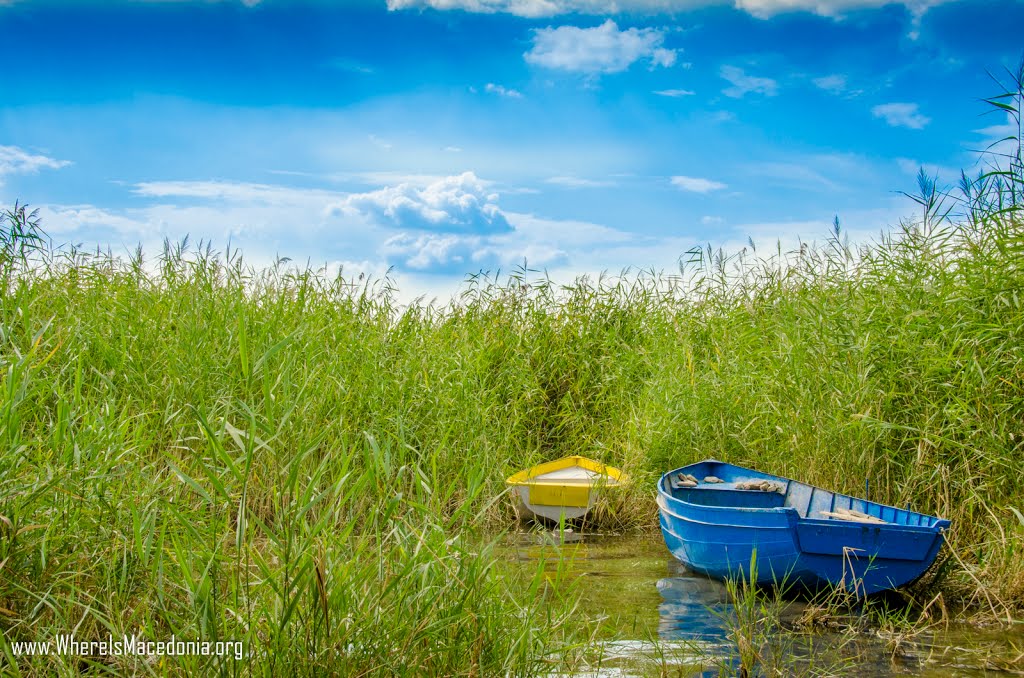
point(133, 645)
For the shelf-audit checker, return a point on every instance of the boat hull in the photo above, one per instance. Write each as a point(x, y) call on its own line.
point(564, 489)
point(720, 531)
point(554, 513)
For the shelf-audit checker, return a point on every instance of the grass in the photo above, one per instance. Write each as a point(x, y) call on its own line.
point(763, 645)
point(191, 446)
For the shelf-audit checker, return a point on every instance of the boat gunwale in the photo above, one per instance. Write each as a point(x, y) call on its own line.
point(610, 476)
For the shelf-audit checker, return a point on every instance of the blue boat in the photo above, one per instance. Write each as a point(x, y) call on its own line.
point(715, 516)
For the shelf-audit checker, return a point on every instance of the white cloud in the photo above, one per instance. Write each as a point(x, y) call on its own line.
point(432, 251)
point(998, 142)
point(59, 220)
point(503, 91)
point(542, 243)
point(380, 143)
point(14, 160)
point(946, 174)
point(995, 133)
point(460, 203)
point(860, 227)
point(578, 182)
point(908, 166)
point(351, 66)
point(568, 249)
point(901, 115)
point(356, 270)
point(768, 8)
point(836, 84)
point(524, 8)
point(810, 171)
point(759, 8)
point(384, 178)
point(743, 84)
point(801, 175)
point(601, 49)
point(565, 233)
point(697, 184)
point(292, 223)
point(663, 57)
point(834, 8)
point(675, 93)
point(233, 192)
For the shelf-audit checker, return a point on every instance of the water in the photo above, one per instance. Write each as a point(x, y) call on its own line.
point(658, 618)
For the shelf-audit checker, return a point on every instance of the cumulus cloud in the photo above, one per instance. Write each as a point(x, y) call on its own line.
point(697, 184)
point(601, 49)
point(743, 84)
point(14, 160)
point(503, 91)
point(433, 251)
point(455, 203)
point(542, 243)
point(901, 115)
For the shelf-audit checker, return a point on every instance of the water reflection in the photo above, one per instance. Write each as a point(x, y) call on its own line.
point(657, 614)
point(693, 608)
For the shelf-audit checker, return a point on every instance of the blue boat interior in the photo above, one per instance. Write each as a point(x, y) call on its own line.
point(809, 502)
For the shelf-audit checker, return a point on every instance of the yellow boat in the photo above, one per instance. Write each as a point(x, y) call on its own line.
point(565, 488)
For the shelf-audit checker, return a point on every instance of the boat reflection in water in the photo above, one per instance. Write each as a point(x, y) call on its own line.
point(694, 608)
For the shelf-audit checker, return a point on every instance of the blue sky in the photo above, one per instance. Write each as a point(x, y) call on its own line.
point(441, 137)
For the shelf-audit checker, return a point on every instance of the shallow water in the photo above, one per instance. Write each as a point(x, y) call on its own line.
point(658, 618)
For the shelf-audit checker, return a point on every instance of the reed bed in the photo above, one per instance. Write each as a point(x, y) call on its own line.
point(190, 445)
